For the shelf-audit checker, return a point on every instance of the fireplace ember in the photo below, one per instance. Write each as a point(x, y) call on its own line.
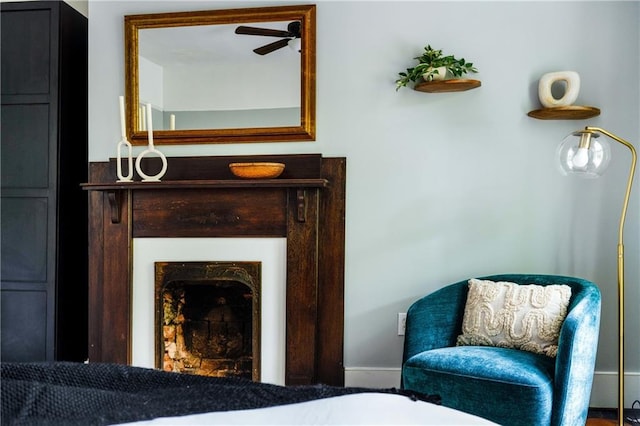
point(208, 318)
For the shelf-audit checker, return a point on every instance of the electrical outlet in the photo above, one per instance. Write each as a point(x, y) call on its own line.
point(402, 323)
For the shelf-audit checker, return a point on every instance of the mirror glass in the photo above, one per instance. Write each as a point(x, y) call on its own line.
point(236, 75)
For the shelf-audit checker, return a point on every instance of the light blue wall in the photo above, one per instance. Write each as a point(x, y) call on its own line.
point(443, 187)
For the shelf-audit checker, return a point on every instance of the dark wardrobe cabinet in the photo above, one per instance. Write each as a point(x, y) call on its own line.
point(44, 161)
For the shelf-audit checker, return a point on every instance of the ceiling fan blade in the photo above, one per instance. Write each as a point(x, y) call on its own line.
point(268, 48)
point(262, 32)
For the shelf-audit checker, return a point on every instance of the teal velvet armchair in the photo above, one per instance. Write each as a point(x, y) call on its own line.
point(508, 386)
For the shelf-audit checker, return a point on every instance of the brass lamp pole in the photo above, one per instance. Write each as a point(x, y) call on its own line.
point(590, 157)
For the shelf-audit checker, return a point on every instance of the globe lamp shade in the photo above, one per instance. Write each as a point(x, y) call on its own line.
point(584, 154)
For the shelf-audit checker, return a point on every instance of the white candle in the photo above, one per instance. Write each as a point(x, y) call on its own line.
point(123, 131)
point(149, 125)
point(172, 122)
point(143, 118)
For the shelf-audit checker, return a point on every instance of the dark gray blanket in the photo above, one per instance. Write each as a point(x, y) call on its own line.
point(101, 394)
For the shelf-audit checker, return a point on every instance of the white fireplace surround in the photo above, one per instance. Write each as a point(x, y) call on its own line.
point(271, 252)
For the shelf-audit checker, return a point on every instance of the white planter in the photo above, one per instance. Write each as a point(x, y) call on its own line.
point(441, 75)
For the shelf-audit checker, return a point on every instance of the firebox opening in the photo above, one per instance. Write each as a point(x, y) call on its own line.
point(208, 318)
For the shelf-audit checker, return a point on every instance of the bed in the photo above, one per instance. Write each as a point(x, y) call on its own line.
point(102, 394)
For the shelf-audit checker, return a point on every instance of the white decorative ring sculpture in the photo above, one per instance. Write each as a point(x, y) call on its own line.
point(572, 80)
point(154, 178)
point(151, 150)
point(121, 177)
point(124, 143)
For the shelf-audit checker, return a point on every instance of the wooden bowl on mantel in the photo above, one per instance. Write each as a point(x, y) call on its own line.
point(261, 170)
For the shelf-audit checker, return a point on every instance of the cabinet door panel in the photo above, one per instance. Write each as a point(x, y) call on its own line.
point(27, 36)
point(25, 146)
point(24, 239)
point(25, 340)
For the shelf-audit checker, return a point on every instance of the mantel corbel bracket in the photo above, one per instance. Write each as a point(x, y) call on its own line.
point(115, 204)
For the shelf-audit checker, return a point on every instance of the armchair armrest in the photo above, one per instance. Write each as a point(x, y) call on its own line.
point(576, 357)
point(435, 320)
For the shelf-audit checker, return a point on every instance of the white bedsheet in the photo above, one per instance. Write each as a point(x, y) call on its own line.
point(354, 409)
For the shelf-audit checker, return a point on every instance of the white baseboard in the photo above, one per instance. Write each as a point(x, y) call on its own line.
point(604, 393)
point(372, 377)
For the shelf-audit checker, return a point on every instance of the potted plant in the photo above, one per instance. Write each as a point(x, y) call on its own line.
point(432, 65)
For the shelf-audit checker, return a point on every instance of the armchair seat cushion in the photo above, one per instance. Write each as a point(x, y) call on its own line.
point(497, 383)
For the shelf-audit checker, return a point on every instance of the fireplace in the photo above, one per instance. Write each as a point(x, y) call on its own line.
point(207, 318)
point(270, 253)
point(200, 199)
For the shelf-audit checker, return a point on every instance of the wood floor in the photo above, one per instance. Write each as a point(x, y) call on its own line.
point(601, 422)
point(609, 417)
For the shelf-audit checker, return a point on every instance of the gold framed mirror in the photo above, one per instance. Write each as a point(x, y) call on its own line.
point(221, 76)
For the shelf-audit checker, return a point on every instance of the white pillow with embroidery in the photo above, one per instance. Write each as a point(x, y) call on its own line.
point(510, 315)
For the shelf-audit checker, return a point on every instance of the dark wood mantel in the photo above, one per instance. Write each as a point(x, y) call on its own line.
point(199, 197)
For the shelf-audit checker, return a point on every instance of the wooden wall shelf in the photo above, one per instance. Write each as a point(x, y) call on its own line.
point(454, 85)
point(565, 113)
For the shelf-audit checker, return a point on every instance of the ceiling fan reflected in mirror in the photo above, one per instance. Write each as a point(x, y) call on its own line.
point(291, 37)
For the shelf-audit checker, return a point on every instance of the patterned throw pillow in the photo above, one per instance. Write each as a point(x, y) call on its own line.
point(509, 315)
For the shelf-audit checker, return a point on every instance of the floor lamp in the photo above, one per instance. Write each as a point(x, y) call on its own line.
point(582, 153)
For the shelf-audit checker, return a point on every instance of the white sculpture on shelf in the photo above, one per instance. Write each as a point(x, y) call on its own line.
point(572, 81)
point(151, 150)
point(124, 143)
